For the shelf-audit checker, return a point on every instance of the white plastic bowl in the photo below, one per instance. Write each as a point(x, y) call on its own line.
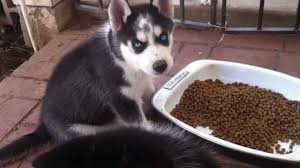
point(169, 95)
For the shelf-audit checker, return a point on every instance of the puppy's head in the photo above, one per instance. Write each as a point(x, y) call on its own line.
point(146, 34)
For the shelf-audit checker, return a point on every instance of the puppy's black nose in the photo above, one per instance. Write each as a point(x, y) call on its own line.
point(160, 66)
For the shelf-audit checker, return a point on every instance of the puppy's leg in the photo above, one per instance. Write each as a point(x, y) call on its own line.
point(59, 131)
point(84, 129)
point(148, 94)
point(150, 112)
point(57, 128)
point(128, 106)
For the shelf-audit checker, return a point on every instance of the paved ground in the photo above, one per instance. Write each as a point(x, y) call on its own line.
point(21, 93)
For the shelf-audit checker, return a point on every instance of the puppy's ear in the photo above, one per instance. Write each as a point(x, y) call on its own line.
point(165, 7)
point(118, 12)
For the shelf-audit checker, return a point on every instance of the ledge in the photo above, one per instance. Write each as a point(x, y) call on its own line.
point(42, 3)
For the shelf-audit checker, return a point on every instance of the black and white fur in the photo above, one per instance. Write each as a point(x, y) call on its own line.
point(99, 86)
point(160, 147)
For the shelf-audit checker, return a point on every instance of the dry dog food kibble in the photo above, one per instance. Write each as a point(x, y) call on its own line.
point(242, 114)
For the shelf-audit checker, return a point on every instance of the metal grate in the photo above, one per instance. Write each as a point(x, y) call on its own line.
point(260, 28)
point(222, 24)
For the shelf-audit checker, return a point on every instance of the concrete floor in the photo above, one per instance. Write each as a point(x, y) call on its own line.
point(21, 93)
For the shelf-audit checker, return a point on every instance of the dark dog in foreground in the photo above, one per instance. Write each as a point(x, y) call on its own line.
point(130, 148)
point(162, 146)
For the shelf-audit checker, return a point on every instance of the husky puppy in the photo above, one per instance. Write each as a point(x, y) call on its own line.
point(163, 147)
point(99, 86)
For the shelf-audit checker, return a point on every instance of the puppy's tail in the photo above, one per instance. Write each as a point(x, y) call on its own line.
point(23, 146)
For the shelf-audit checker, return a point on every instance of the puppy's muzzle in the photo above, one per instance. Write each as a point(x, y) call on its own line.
point(160, 66)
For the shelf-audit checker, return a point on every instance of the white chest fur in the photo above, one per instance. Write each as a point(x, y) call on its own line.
point(140, 84)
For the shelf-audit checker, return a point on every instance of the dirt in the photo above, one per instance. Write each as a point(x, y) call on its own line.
point(13, 51)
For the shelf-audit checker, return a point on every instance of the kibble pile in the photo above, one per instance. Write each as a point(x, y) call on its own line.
point(242, 114)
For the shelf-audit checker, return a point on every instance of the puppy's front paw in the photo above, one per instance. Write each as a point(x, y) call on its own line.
point(149, 91)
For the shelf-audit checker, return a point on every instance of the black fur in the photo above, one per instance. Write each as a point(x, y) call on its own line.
point(85, 89)
point(22, 146)
point(128, 148)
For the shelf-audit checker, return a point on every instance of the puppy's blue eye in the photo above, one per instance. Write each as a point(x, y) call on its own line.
point(138, 46)
point(163, 37)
